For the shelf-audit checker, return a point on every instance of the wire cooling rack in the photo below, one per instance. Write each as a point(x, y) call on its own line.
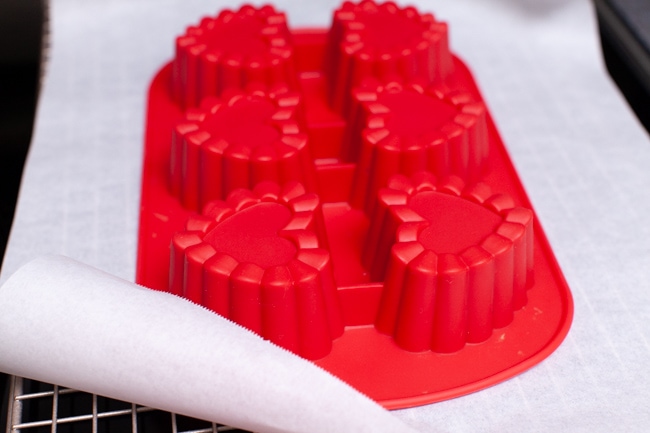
point(37, 407)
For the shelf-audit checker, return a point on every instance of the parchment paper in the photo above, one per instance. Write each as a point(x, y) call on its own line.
point(579, 151)
point(67, 323)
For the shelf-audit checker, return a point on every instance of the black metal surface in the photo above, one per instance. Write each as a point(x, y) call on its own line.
point(624, 27)
point(21, 37)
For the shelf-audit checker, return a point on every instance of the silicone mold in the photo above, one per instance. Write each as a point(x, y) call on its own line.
point(345, 194)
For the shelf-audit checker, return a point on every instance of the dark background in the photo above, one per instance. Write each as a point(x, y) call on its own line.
point(624, 32)
point(21, 44)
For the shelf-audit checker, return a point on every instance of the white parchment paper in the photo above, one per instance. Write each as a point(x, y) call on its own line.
point(67, 323)
point(579, 151)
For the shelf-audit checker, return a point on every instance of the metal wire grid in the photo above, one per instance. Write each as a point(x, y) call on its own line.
point(37, 407)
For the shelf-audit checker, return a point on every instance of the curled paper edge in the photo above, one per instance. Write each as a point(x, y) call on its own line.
point(67, 323)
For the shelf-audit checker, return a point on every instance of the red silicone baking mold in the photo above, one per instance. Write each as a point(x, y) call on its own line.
point(344, 193)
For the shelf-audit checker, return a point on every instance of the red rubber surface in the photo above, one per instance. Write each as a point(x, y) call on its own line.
point(318, 240)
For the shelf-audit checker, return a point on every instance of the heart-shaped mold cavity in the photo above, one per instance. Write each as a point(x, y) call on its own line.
point(245, 124)
point(389, 134)
point(454, 223)
point(257, 260)
point(454, 262)
point(232, 51)
point(386, 42)
point(413, 114)
point(247, 240)
point(237, 142)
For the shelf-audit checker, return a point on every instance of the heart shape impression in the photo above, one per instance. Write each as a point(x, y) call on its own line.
point(460, 264)
point(244, 237)
point(256, 259)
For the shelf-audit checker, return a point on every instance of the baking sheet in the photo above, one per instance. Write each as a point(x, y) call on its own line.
point(580, 153)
